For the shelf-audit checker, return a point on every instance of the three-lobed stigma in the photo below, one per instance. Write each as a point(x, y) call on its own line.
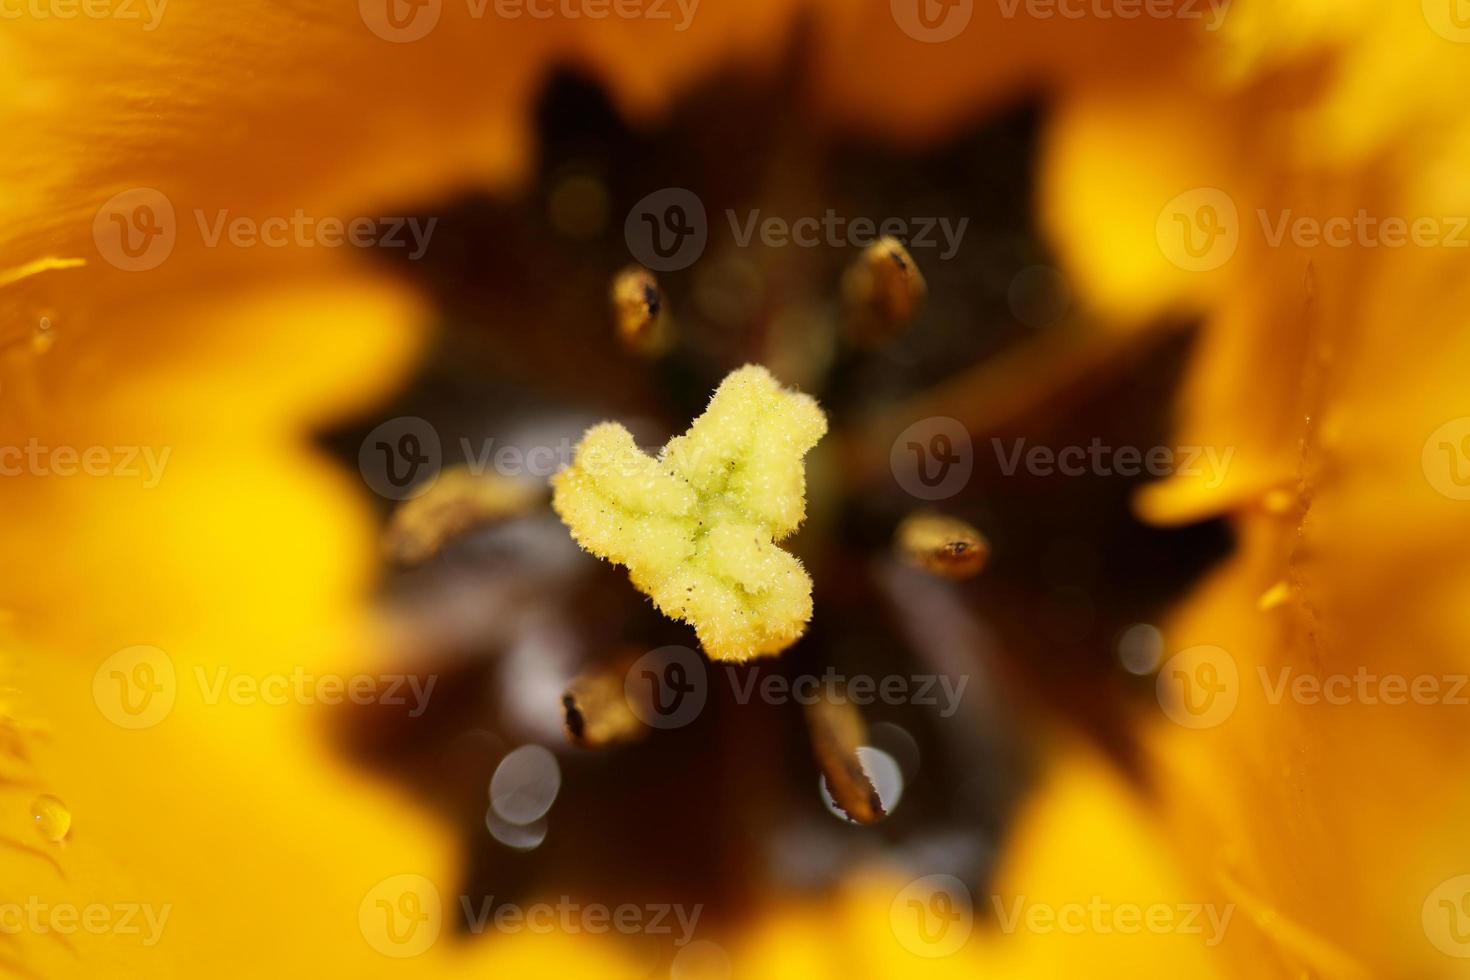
point(697, 526)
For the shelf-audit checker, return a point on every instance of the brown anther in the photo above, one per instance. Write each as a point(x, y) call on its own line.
point(458, 501)
point(837, 732)
point(882, 291)
point(596, 712)
point(640, 313)
point(940, 544)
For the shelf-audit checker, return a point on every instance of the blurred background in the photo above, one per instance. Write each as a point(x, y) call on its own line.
point(1137, 331)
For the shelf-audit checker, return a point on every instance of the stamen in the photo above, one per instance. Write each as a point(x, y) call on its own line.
point(458, 501)
point(881, 293)
point(642, 318)
point(597, 711)
point(940, 544)
point(837, 732)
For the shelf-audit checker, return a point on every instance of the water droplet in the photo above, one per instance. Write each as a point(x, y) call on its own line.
point(525, 784)
point(44, 336)
point(52, 817)
point(885, 774)
point(1140, 649)
point(520, 837)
